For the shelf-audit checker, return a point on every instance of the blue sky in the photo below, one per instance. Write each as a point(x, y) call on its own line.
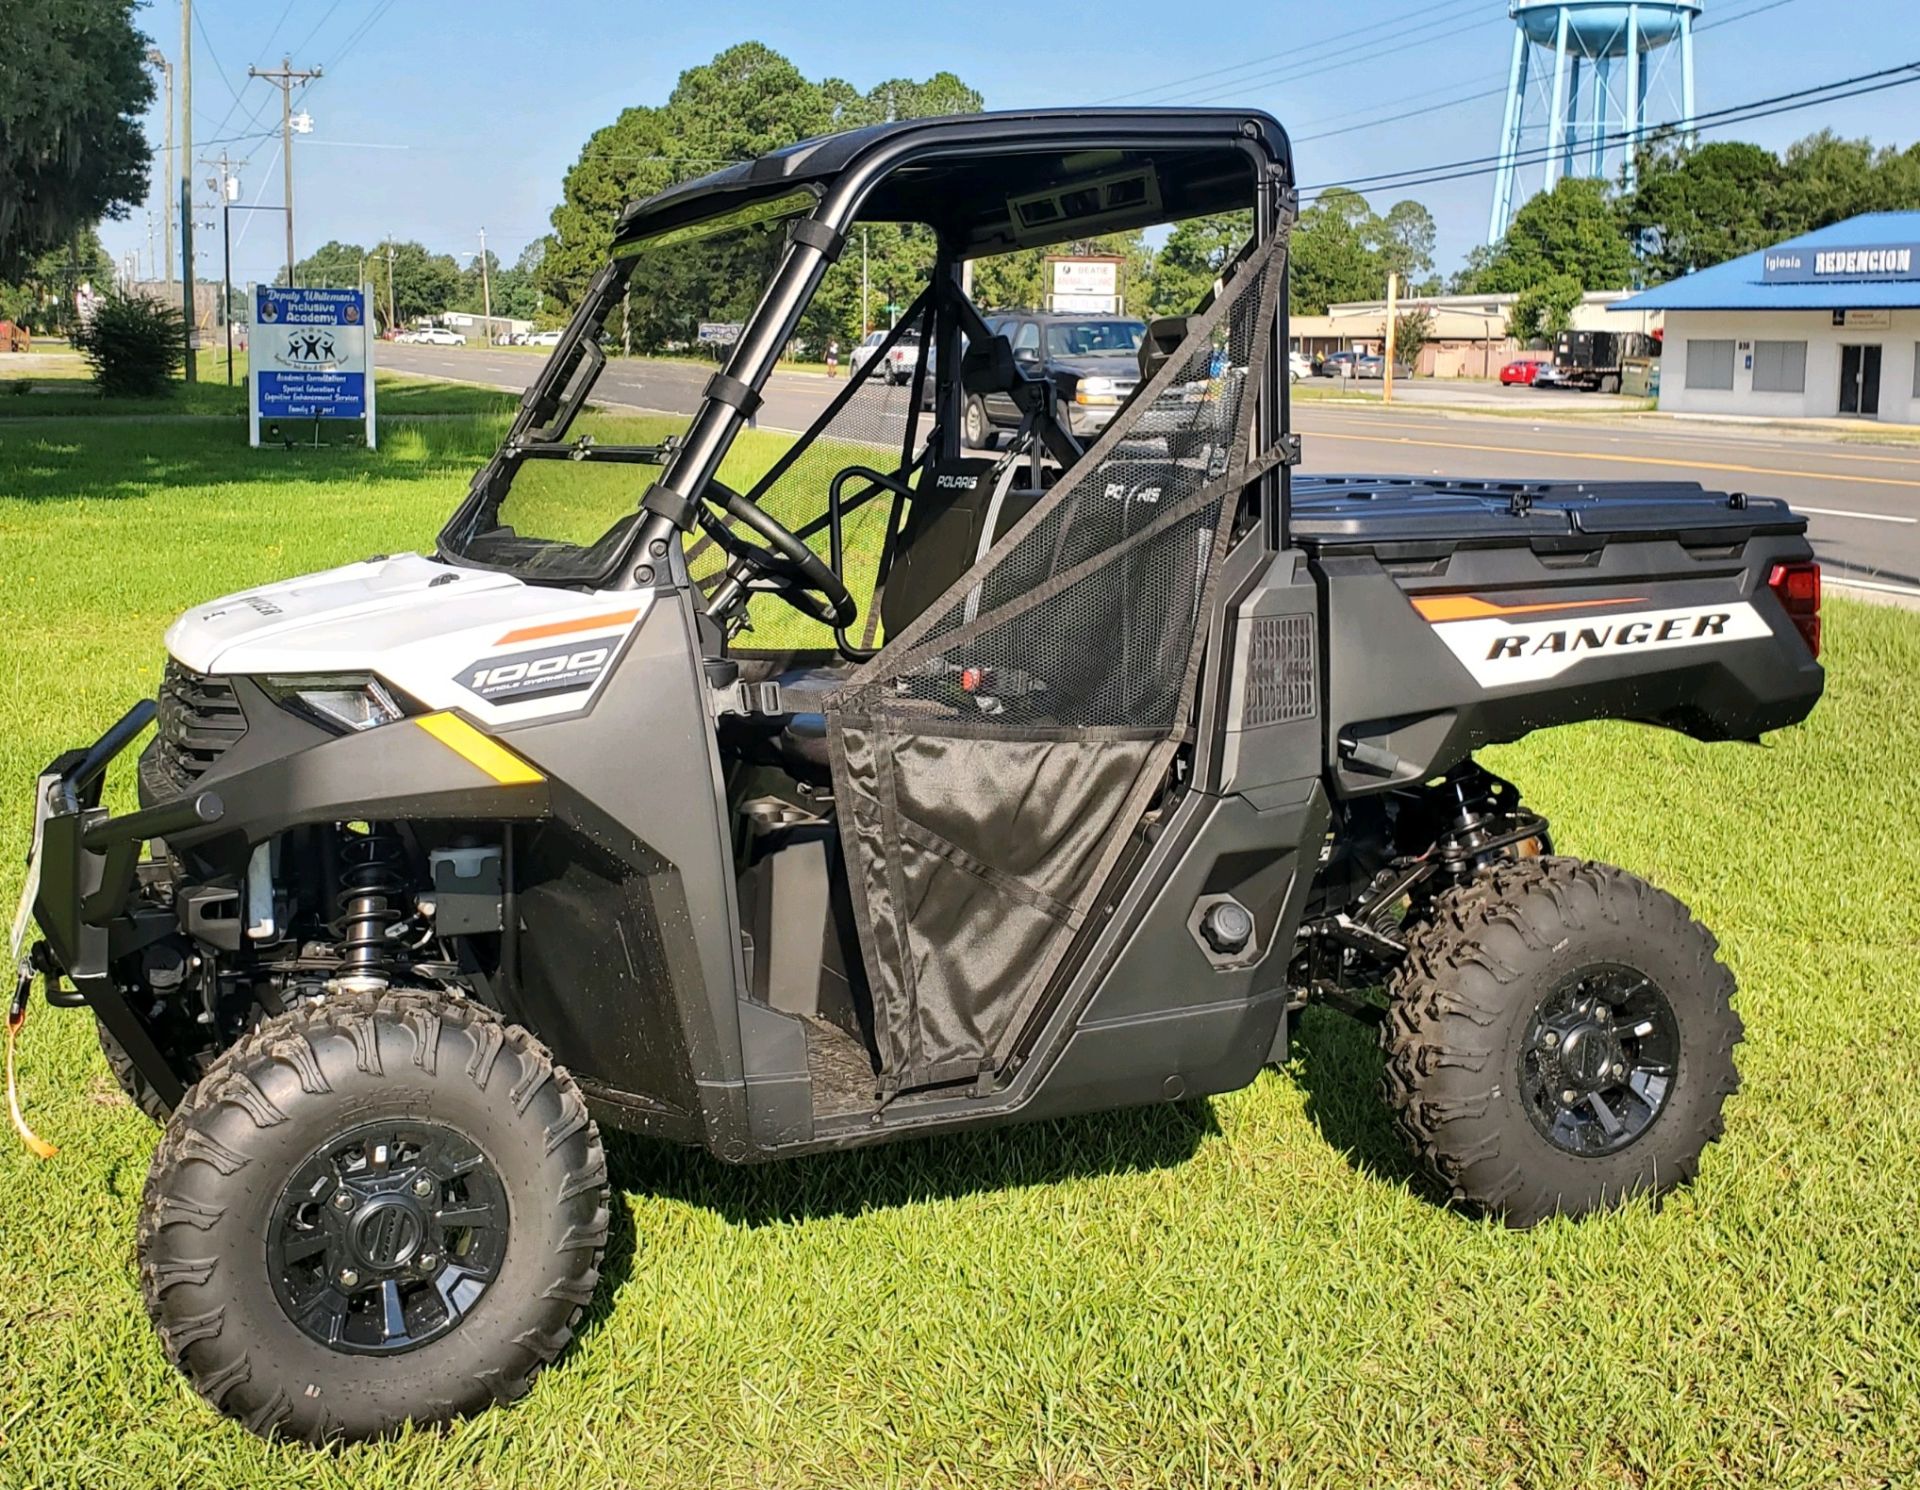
point(437, 118)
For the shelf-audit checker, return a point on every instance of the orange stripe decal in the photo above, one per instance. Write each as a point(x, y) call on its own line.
point(1472, 608)
point(567, 628)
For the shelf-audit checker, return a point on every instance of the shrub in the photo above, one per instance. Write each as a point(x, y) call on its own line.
point(134, 346)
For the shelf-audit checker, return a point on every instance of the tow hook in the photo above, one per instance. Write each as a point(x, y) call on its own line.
point(16, 1018)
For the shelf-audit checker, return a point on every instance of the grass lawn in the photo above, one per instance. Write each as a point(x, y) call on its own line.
point(1244, 1291)
point(66, 392)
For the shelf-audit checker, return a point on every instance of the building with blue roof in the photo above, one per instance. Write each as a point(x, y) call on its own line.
point(1823, 325)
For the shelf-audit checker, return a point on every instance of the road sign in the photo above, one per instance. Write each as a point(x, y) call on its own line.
point(720, 333)
point(309, 357)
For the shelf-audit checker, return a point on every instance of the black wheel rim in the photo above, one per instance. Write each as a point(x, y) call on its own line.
point(386, 1238)
point(1599, 1061)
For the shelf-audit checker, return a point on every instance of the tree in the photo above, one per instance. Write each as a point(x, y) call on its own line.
point(41, 299)
point(1412, 330)
point(1543, 311)
point(746, 102)
point(1403, 239)
point(334, 264)
point(1576, 229)
point(1192, 258)
point(71, 146)
point(1695, 208)
point(423, 284)
point(1331, 261)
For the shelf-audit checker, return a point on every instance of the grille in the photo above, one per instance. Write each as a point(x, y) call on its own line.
point(1279, 670)
point(199, 721)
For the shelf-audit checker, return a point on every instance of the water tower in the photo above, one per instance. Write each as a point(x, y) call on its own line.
point(1589, 78)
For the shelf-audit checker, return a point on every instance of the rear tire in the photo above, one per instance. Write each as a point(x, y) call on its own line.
point(1560, 1037)
point(373, 1210)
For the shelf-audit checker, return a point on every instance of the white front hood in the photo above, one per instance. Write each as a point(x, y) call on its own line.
point(428, 628)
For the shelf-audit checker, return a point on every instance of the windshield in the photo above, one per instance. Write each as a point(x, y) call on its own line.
point(630, 372)
point(1080, 338)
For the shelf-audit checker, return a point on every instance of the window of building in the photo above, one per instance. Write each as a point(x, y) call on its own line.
point(1779, 367)
point(1709, 364)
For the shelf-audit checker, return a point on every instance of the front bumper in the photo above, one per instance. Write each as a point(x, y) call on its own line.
point(81, 886)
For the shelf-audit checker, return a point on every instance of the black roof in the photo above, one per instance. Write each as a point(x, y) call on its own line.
point(956, 173)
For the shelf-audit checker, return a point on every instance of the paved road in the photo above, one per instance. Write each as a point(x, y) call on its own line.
point(1470, 394)
point(1862, 501)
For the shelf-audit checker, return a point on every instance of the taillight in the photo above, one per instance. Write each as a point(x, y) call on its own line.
point(1798, 586)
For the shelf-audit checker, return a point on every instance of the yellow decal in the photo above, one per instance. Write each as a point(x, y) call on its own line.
point(480, 750)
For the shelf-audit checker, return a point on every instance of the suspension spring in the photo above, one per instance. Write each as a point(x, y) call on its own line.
point(371, 886)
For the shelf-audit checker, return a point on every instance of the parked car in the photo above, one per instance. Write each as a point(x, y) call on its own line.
point(1093, 360)
point(1370, 366)
point(1549, 376)
point(543, 339)
point(1338, 364)
point(902, 357)
point(435, 336)
point(1521, 370)
point(1298, 367)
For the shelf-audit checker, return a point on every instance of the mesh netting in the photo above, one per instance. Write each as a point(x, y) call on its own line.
point(989, 763)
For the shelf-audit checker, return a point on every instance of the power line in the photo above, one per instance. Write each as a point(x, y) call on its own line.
point(1298, 53)
point(1466, 98)
point(1901, 76)
point(374, 17)
point(325, 16)
point(1412, 40)
point(1432, 108)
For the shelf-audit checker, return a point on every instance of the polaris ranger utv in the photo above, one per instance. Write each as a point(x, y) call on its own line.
point(1079, 769)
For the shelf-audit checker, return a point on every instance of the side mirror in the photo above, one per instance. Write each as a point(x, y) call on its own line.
point(1027, 356)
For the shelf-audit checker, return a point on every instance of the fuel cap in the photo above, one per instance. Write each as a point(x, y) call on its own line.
point(1227, 927)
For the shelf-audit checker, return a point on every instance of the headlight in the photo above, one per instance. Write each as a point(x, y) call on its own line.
point(341, 701)
point(1097, 392)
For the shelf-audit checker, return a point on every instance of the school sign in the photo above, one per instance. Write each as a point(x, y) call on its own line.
point(309, 357)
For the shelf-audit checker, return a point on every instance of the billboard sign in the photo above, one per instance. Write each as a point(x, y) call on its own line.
point(1820, 266)
point(309, 357)
point(720, 333)
point(1089, 286)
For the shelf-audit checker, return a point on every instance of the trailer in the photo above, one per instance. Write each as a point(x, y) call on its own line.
point(1596, 361)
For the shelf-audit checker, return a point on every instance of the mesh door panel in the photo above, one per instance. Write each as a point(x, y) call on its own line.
point(991, 761)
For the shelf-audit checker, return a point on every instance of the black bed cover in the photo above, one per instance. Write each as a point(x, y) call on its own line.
point(1368, 512)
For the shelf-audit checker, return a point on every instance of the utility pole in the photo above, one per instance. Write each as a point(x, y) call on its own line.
point(486, 285)
point(185, 164)
point(392, 324)
point(1386, 364)
point(284, 77)
point(226, 187)
point(865, 325)
point(157, 58)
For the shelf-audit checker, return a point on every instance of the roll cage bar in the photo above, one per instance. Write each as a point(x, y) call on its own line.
point(872, 173)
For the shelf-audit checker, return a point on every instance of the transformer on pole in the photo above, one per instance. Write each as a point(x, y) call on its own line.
point(1589, 81)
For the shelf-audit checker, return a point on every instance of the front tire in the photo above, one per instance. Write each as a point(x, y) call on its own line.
point(373, 1210)
point(137, 1089)
point(1560, 1037)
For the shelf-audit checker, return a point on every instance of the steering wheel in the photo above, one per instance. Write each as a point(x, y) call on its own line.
point(786, 566)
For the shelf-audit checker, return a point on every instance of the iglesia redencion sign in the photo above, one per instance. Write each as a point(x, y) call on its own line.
point(1800, 266)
